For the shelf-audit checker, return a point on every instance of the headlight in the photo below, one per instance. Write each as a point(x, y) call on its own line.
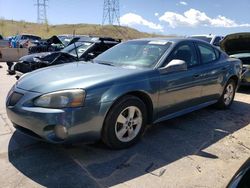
point(61, 99)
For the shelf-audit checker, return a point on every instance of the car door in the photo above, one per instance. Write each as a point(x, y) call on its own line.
point(180, 91)
point(213, 70)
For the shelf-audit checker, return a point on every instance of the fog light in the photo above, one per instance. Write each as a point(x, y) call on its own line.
point(61, 131)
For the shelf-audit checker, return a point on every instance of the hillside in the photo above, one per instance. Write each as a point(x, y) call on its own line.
point(10, 27)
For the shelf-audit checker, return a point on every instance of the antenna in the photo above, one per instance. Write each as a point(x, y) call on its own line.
point(41, 11)
point(111, 12)
point(74, 34)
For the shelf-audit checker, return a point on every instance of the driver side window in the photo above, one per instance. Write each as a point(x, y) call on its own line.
point(185, 52)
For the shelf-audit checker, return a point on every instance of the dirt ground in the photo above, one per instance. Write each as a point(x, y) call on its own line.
point(201, 149)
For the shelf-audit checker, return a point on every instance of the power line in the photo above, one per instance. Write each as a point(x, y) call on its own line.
point(42, 11)
point(111, 12)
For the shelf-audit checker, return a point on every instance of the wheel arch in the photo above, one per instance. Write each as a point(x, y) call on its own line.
point(143, 96)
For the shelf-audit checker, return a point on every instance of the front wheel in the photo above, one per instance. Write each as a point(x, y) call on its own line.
point(227, 97)
point(125, 123)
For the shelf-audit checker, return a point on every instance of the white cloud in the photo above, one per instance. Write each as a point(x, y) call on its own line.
point(156, 14)
point(131, 19)
point(183, 3)
point(194, 18)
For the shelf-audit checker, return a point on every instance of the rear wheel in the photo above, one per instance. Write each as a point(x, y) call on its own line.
point(227, 97)
point(125, 123)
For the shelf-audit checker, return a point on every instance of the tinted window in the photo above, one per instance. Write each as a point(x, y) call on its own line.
point(186, 53)
point(207, 53)
point(1, 38)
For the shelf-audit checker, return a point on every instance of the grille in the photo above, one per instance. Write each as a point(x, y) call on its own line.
point(14, 98)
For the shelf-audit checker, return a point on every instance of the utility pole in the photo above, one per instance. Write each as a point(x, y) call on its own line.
point(41, 11)
point(111, 12)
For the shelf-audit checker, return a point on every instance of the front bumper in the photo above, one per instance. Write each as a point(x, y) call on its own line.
point(245, 81)
point(56, 125)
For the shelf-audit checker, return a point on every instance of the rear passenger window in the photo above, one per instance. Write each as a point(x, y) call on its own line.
point(207, 53)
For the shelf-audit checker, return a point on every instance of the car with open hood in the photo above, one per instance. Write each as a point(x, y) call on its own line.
point(55, 43)
point(119, 93)
point(80, 50)
point(237, 45)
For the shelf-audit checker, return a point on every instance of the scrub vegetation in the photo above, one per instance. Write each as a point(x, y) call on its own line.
point(11, 27)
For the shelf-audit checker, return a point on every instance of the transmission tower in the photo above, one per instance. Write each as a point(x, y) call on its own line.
point(111, 12)
point(41, 11)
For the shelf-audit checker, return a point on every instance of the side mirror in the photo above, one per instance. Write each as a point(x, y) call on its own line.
point(175, 65)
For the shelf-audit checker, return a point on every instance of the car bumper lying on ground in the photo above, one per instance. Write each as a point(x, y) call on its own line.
point(54, 125)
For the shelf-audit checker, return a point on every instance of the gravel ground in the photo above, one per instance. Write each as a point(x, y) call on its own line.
point(201, 149)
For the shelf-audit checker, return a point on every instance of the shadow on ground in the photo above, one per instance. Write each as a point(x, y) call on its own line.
point(94, 165)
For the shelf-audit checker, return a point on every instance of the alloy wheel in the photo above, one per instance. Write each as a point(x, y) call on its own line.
point(229, 93)
point(128, 124)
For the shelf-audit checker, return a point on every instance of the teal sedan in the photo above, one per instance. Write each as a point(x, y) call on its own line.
point(114, 97)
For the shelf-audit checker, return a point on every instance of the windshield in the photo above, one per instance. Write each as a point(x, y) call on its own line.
point(204, 38)
point(80, 46)
point(65, 39)
point(134, 53)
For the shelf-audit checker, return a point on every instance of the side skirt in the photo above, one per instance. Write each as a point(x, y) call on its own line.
point(185, 111)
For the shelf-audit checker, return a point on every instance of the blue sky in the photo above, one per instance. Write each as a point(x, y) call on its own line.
point(181, 17)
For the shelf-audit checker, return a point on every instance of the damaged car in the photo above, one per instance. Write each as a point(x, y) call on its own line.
point(237, 45)
point(55, 43)
point(77, 51)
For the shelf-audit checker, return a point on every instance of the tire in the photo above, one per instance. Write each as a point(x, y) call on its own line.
point(229, 90)
point(122, 130)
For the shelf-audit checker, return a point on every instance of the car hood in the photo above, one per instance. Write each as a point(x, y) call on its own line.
point(236, 43)
point(54, 40)
point(45, 56)
point(74, 75)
